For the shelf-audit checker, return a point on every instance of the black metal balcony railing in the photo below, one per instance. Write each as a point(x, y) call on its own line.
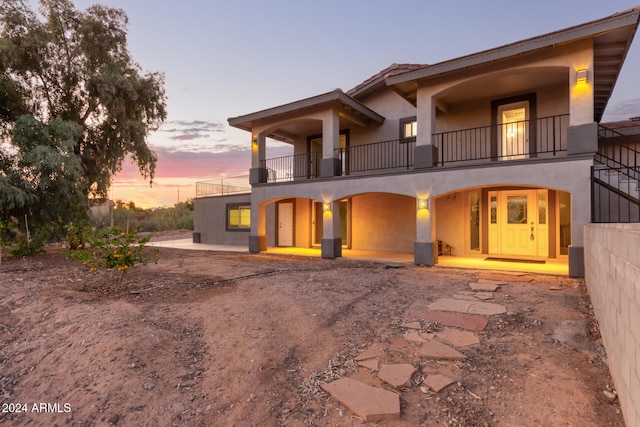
point(525, 139)
point(289, 168)
point(397, 153)
point(544, 137)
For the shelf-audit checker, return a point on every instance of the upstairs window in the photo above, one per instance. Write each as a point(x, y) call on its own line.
point(408, 128)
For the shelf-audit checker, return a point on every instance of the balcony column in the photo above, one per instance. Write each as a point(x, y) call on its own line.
point(425, 153)
point(580, 216)
point(331, 241)
point(425, 248)
point(258, 172)
point(258, 234)
point(330, 165)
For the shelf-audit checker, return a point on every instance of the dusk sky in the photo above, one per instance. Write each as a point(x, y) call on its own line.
point(228, 58)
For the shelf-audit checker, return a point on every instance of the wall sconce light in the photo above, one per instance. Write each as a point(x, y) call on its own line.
point(326, 207)
point(581, 76)
point(254, 141)
point(423, 204)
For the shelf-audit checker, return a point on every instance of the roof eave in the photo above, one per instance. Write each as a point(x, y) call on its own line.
point(587, 30)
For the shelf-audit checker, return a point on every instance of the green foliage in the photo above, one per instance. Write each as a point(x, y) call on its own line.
point(109, 249)
point(28, 247)
point(177, 217)
point(73, 105)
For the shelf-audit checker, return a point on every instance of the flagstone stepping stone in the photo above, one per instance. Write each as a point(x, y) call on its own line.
point(484, 295)
point(371, 364)
point(397, 375)
point(487, 287)
point(471, 322)
point(434, 349)
point(458, 338)
point(411, 325)
point(399, 342)
point(369, 353)
point(507, 277)
point(437, 382)
point(369, 403)
point(467, 297)
point(414, 336)
point(492, 282)
point(463, 306)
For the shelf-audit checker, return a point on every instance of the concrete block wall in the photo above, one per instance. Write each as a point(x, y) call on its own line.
point(612, 263)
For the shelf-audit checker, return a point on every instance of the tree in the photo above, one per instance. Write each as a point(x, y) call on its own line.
point(87, 104)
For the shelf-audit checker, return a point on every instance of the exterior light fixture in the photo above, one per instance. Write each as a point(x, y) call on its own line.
point(423, 204)
point(581, 76)
point(254, 140)
point(326, 207)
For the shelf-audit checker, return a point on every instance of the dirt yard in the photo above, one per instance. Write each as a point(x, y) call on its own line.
point(212, 339)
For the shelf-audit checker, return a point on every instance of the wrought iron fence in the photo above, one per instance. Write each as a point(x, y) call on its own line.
point(393, 154)
point(546, 136)
point(290, 168)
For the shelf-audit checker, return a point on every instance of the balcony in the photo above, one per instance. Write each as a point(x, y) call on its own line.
point(529, 139)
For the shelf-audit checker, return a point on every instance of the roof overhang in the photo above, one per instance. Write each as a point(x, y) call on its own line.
point(354, 108)
point(612, 37)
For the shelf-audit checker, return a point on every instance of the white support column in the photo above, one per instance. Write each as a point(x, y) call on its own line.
point(426, 154)
point(331, 241)
point(330, 142)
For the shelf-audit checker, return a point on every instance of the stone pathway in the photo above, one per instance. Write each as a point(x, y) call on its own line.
point(464, 314)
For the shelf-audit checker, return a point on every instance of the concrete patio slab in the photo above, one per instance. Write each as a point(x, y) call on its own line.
point(463, 306)
point(369, 403)
point(397, 375)
point(470, 322)
point(437, 382)
point(458, 338)
point(436, 350)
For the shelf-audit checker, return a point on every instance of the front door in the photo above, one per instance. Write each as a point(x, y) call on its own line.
point(518, 223)
point(285, 224)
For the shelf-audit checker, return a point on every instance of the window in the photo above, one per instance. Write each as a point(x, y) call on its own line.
point(238, 217)
point(408, 128)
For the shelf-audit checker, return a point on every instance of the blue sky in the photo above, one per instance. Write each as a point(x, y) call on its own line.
point(227, 58)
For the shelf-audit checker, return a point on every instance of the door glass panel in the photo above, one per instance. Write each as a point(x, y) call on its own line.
point(494, 210)
point(542, 209)
point(517, 209)
point(474, 206)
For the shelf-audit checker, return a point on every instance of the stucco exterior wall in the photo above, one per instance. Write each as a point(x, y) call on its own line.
point(450, 214)
point(613, 280)
point(383, 222)
point(390, 105)
point(210, 220)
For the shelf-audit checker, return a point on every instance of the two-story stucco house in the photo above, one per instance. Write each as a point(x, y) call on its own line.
point(490, 154)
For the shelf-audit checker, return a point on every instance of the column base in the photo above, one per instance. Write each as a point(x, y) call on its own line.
point(425, 156)
point(425, 253)
point(576, 261)
point(257, 244)
point(331, 248)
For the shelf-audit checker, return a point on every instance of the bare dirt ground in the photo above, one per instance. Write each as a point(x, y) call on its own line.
point(212, 339)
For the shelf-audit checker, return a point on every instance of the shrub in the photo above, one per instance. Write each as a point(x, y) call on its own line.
point(111, 249)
